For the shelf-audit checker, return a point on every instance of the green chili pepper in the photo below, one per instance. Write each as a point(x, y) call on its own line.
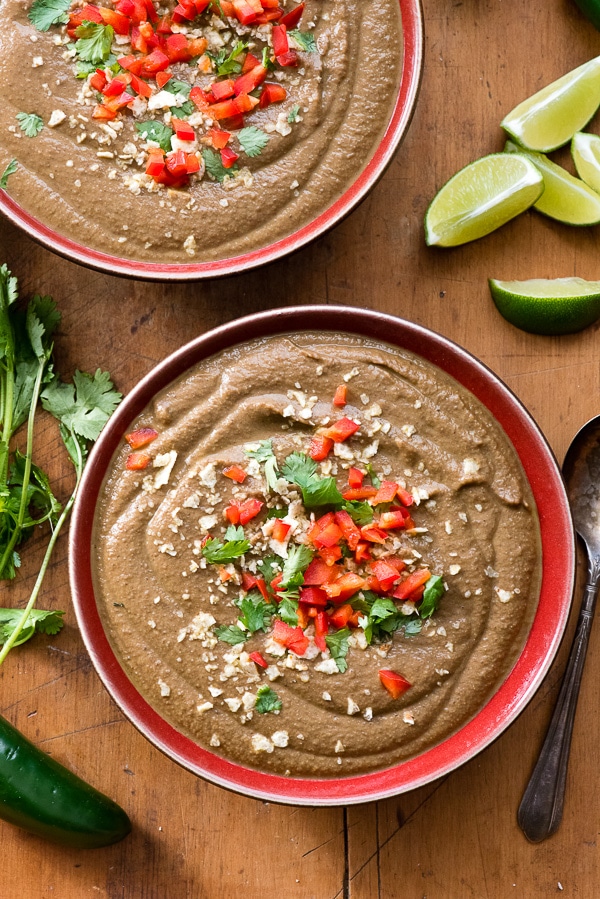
point(45, 798)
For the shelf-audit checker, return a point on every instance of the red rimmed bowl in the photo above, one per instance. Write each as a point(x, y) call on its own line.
point(340, 206)
point(557, 562)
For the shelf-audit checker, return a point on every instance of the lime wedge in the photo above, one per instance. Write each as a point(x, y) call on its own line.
point(551, 117)
point(585, 150)
point(481, 197)
point(565, 198)
point(545, 306)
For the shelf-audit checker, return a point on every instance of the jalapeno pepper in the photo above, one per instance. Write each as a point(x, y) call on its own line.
point(45, 798)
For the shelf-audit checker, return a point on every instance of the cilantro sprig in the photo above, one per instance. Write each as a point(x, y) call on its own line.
point(301, 470)
point(45, 13)
point(94, 41)
point(156, 131)
point(253, 140)
point(235, 545)
point(267, 700)
point(214, 166)
point(30, 123)
point(227, 63)
point(305, 40)
point(27, 377)
point(39, 621)
point(10, 169)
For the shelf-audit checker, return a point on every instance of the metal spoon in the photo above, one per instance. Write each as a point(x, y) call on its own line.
point(541, 808)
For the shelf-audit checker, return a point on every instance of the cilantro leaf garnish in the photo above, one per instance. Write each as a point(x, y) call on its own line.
point(94, 41)
point(375, 480)
point(235, 545)
point(253, 140)
point(305, 40)
point(10, 169)
point(287, 610)
point(300, 469)
point(267, 700)
point(434, 590)
point(214, 166)
point(277, 513)
point(255, 614)
point(298, 560)
point(44, 13)
point(84, 68)
point(360, 512)
point(38, 621)
point(157, 132)
point(228, 64)
point(260, 452)
point(322, 492)
point(337, 645)
point(230, 633)
point(30, 123)
point(293, 114)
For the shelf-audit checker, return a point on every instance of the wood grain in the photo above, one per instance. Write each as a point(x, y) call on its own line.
point(452, 839)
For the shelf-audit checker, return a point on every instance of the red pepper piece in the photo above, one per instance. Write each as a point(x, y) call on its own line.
point(250, 582)
point(126, 7)
point(385, 573)
point(385, 493)
point(103, 114)
point(234, 472)
point(373, 534)
point(152, 15)
point(199, 98)
point(292, 18)
point(138, 41)
point(218, 139)
point(341, 430)
point(293, 638)
point(341, 616)
point(320, 447)
point(313, 596)
point(280, 40)
point(280, 530)
point(330, 554)
point(393, 682)
point(118, 84)
point(271, 93)
point(156, 162)
point(319, 573)
point(250, 509)
point(359, 493)
point(269, 15)
point(258, 660)
point(348, 528)
point(157, 61)
point(142, 88)
point(232, 514)
point(362, 551)
point(269, 4)
point(141, 437)
point(250, 81)
point(116, 20)
point(244, 11)
point(404, 496)
point(228, 157)
point(176, 163)
point(98, 80)
point(321, 630)
point(138, 461)
point(223, 90)
point(162, 78)
point(339, 397)
point(201, 5)
point(164, 26)
point(250, 62)
point(131, 63)
point(344, 587)
point(392, 519)
point(192, 163)
point(407, 588)
point(289, 59)
point(328, 535)
point(355, 478)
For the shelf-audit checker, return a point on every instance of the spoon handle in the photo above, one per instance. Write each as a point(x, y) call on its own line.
point(541, 808)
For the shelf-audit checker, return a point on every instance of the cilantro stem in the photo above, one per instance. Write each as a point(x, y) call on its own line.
point(46, 560)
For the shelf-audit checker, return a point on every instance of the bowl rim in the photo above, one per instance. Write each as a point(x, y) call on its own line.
point(557, 546)
point(412, 64)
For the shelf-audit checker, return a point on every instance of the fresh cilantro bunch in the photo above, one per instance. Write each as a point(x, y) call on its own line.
point(27, 377)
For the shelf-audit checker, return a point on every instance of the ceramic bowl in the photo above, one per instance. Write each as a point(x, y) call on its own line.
point(557, 562)
point(412, 26)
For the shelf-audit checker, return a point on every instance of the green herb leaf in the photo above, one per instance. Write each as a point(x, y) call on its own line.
point(227, 64)
point(260, 452)
point(253, 140)
point(157, 132)
point(298, 560)
point(293, 114)
point(434, 590)
point(300, 469)
point(375, 480)
point(84, 406)
point(214, 166)
point(287, 610)
point(235, 545)
point(256, 614)
point(277, 513)
point(360, 512)
point(338, 647)
point(305, 40)
point(38, 621)
point(30, 123)
point(44, 13)
point(230, 633)
point(322, 492)
point(94, 41)
point(84, 68)
point(10, 169)
point(267, 700)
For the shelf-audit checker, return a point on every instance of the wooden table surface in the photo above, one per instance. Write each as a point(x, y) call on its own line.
point(457, 837)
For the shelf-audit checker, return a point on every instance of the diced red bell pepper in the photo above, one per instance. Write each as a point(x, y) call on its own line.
point(156, 162)
point(321, 630)
point(131, 63)
point(116, 20)
point(280, 39)
point(249, 62)
point(355, 478)
point(228, 157)
point(232, 514)
point(218, 139)
point(392, 519)
point(319, 448)
point(103, 114)
point(126, 7)
point(138, 461)
point(313, 596)
point(275, 584)
point(407, 588)
point(151, 13)
point(184, 12)
point(233, 472)
point(141, 87)
point(192, 163)
point(339, 397)
point(257, 658)
point(176, 163)
point(393, 682)
point(385, 573)
point(362, 551)
point(330, 535)
point(157, 61)
point(348, 528)
point(341, 430)
point(269, 15)
point(289, 59)
point(269, 4)
point(164, 26)
point(201, 5)
point(292, 18)
point(341, 616)
point(244, 12)
point(88, 13)
point(280, 530)
point(141, 437)
point(200, 98)
point(225, 5)
point(373, 534)
point(359, 493)
point(293, 638)
point(98, 80)
point(271, 93)
point(404, 496)
point(249, 81)
point(251, 582)
point(184, 131)
point(344, 587)
point(226, 109)
point(319, 573)
point(118, 84)
point(138, 41)
point(223, 90)
point(330, 554)
point(250, 509)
